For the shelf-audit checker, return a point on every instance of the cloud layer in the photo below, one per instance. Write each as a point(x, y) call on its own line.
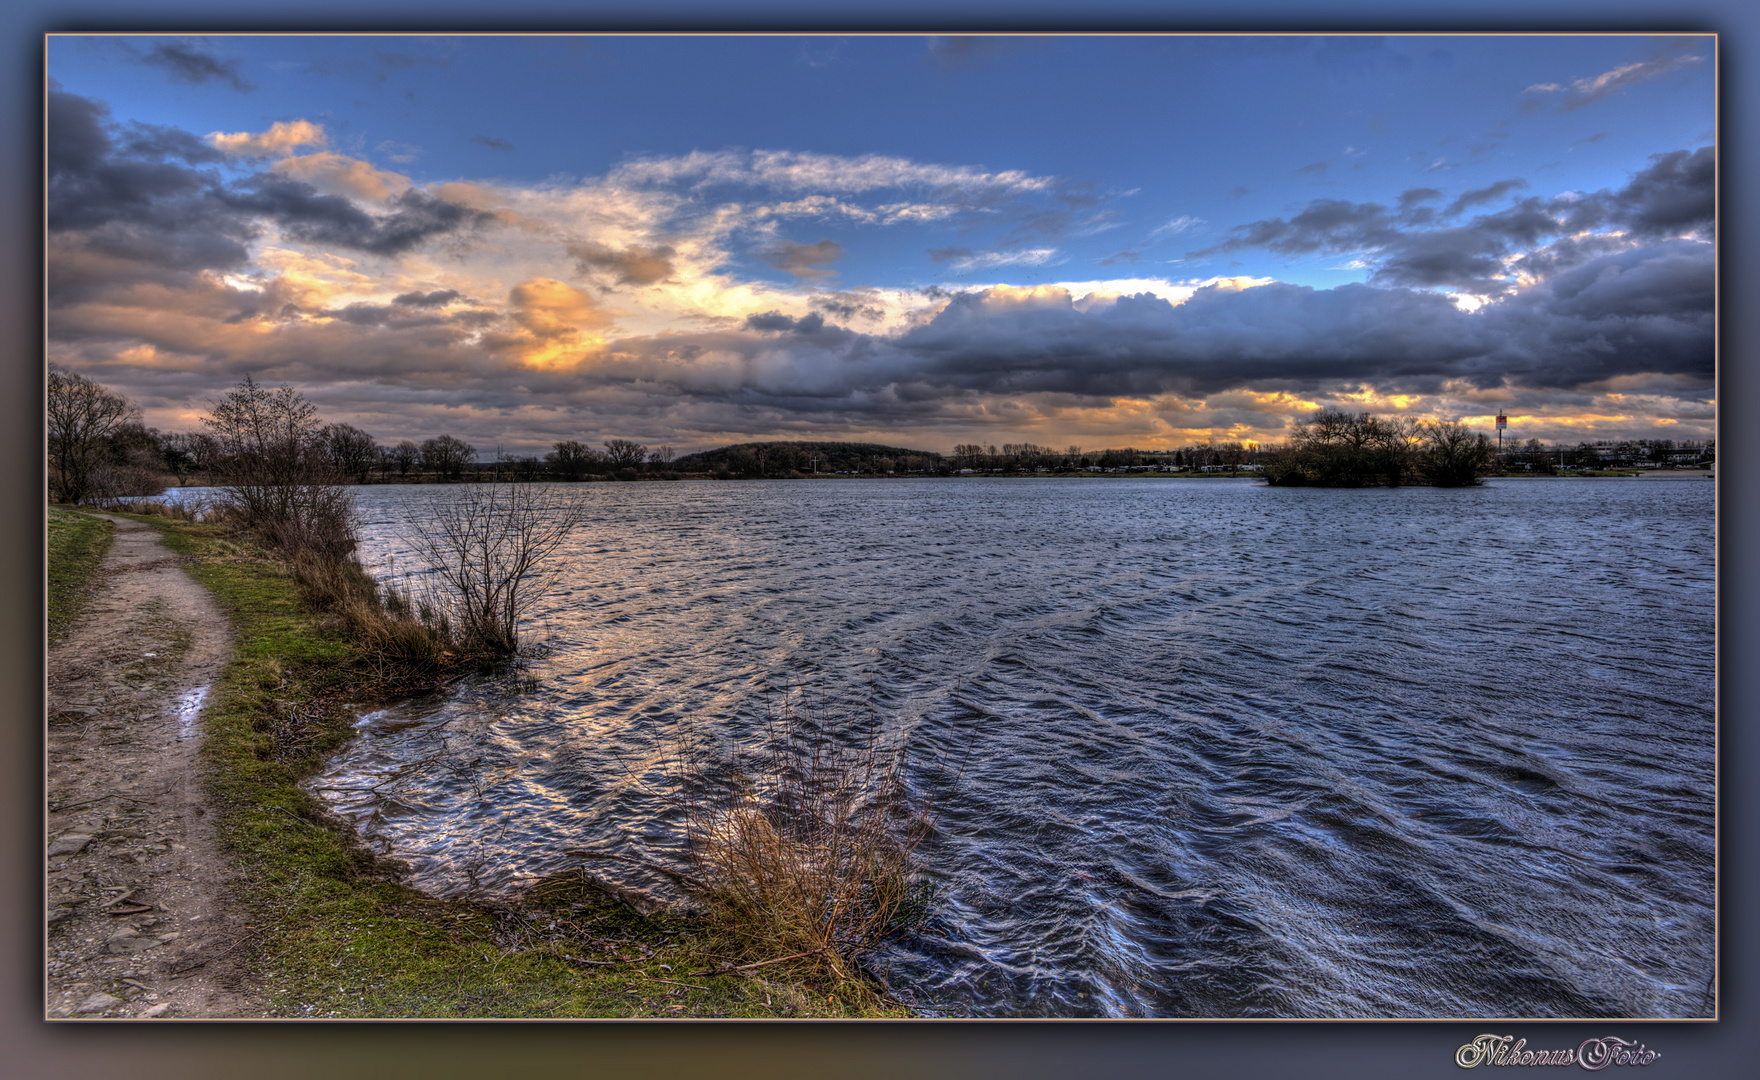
point(637, 304)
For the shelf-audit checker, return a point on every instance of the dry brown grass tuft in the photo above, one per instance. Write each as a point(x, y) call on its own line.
point(802, 852)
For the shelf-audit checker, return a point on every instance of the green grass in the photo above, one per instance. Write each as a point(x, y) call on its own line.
point(78, 543)
point(334, 934)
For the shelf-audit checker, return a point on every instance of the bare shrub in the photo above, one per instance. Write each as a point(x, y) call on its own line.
point(803, 851)
point(487, 546)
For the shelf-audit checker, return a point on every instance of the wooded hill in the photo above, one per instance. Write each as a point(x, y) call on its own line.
point(803, 458)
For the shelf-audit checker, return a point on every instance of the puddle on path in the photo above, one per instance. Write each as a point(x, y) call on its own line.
point(188, 707)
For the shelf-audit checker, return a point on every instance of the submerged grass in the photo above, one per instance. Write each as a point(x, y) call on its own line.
point(334, 932)
point(77, 544)
point(802, 851)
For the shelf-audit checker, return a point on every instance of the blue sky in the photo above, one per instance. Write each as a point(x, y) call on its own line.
point(1104, 241)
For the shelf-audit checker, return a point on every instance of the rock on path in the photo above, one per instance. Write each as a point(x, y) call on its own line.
point(135, 922)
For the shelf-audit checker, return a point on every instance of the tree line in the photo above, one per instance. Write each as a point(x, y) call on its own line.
point(99, 451)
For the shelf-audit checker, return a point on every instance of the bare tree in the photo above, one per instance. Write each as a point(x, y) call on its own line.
point(1454, 456)
point(447, 456)
point(625, 453)
point(488, 544)
point(406, 455)
point(276, 475)
point(351, 450)
point(570, 459)
point(82, 416)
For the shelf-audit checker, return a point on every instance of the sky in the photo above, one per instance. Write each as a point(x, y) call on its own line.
point(1100, 241)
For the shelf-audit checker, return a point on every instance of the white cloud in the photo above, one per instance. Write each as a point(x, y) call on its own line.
point(990, 259)
point(1177, 225)
point(801, 171)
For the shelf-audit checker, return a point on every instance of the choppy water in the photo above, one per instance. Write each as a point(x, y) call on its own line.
point(1224, 750)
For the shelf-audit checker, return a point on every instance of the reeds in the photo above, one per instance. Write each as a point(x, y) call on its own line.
point(408, 637)
point(803, 850)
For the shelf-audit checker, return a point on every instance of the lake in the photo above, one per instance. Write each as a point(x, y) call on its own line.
point(1195, 748)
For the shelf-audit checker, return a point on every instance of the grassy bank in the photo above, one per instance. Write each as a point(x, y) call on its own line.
point(77, 546)
point(335, 934)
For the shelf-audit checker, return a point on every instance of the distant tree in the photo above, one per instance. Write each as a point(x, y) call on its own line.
point(447, 456)
point(624, 453)
point(406, 455)
point(82, 416)
point(570, 460)
point(351, 450)
point(177, 455)
point(660, 456)
point(1454, 456)
point(1334, 448)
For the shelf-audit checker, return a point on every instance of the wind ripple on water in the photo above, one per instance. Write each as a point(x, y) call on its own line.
point(1222, 749)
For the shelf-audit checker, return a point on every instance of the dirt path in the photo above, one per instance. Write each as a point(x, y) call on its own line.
point(135, 922)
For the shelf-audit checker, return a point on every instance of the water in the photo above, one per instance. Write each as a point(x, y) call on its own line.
point(1223, 750)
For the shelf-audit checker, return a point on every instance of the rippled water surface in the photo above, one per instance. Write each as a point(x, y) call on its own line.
point(1223, 749)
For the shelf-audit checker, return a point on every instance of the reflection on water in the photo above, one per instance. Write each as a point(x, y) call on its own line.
point(1228, 750)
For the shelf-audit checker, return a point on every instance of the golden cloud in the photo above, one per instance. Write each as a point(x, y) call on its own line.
point(340, 175)
point(282, 138)
point(557, 321)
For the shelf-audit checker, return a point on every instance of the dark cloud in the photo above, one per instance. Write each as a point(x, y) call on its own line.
point(140, 201)
point(1480, 196)
point(1675, 195)
point(493, 143)
point(632, 265)
point(188, 64)
point(1326, 225)
point(439, 298)
point(1318, 168)
point(142, 197)
point(775, 321)
point(803, 260)
point(332, 219)
point(1655, 303)
point(848, 306)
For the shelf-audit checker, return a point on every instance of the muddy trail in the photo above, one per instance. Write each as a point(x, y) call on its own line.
point(135, 924)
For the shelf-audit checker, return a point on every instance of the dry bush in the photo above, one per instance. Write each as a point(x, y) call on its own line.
point(803, 851)
point(488, 547)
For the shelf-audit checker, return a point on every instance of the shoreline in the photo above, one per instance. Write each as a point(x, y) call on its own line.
point(327, 928)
